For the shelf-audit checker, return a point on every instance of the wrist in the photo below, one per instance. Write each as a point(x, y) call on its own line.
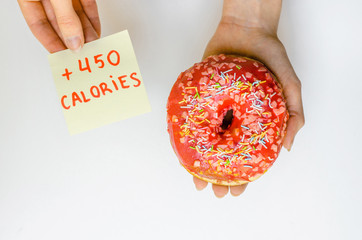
point(254, 15)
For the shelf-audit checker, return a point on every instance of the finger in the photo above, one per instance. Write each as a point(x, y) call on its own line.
point(91, 10)
point(39, 25)
point(237, 190)
point(90, 33)
point(199, 184)
point(293, 95)
point(294, 124)
point(48, 8)
point(219, 190)
point(69, 24)
point(277, 60)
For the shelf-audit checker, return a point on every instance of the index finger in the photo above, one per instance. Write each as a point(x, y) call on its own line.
point(91, 10)
point(39, 25)
point(69, 23)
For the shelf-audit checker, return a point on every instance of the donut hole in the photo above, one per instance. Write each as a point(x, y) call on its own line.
point(228, 118)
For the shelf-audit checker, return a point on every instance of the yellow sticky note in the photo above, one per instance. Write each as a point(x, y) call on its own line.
point(99, 85)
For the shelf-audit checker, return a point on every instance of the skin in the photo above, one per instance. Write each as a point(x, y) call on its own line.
point(249, 28)
point(62, 24)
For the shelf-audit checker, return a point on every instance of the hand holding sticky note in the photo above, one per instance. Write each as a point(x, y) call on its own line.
point(99, 85)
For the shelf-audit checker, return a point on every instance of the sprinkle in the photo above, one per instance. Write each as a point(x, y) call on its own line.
point(244, 127)
point(259, 101)
point(256, 82)
point(227, 71)
point(244, 77)
point(201, 115)
point(237, 67)
point(222, 76)
point(249, 166)
point(192, 147)
point(262, 135)
point(212, 75)
point(206, 104)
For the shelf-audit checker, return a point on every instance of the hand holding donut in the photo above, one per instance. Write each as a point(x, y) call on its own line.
point(249, 28)
point(61, 24)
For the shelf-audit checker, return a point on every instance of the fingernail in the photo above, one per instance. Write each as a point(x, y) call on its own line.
point(73, 43)
point(219, 197)
point(290, 147)
point(199, 188)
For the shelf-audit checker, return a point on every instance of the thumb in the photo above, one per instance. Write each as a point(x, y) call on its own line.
point(292, 92)
point(69, 24)
point(277, 60)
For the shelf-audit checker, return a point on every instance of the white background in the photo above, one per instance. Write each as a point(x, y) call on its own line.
point(123, 181)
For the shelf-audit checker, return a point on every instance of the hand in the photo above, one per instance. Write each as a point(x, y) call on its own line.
point(249, 28)
point(61, 24)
